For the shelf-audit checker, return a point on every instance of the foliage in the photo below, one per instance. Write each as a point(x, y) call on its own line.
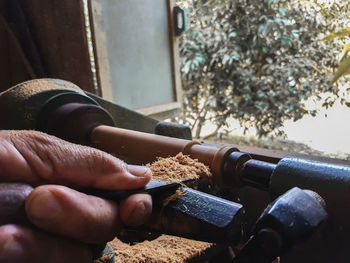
point(257, 61)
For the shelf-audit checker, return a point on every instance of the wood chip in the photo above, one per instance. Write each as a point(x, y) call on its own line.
point(164, 249)
point(179, 167)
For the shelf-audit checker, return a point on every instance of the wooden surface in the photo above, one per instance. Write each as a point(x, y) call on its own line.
point(99, 40)
point(58, 28)
point(51, 37)
point(175, 53)
point(14, 66)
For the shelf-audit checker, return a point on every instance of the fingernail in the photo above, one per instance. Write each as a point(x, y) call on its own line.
point(140, 171)
point(139, 215)
point(44, 206)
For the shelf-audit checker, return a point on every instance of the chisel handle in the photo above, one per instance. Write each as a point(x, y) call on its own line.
point(12, 203)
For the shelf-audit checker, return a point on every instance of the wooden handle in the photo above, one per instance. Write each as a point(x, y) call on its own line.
point(12, 203)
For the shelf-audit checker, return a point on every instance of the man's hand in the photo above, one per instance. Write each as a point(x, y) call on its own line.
point(74, 219)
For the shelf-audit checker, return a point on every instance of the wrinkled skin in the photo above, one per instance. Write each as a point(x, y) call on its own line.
point(67, 222)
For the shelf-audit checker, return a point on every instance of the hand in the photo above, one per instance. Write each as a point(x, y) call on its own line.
point(70, 219)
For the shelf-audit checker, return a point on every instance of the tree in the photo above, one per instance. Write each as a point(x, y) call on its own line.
point(257, 61)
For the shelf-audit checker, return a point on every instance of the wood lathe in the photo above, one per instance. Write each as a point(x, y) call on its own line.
point(60, 108)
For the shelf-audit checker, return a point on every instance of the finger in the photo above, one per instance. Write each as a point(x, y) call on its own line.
point(21, 244)
point(89, 219)
point(36, 157)
point(135, 209)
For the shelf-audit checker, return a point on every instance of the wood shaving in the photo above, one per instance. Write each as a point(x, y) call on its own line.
point(104, 259)
point(179, 167)
point(163, 249)
point(172, 197)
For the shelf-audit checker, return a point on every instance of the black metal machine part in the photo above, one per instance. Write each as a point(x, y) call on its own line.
point(199, 216)
point(172, 129)
point(74, 110)
point(126, 118)
point(290, 219)
point(153, 187)
point(331, 181)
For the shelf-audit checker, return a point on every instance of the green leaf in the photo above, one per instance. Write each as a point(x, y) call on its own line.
point(247, 88)
point(232, 34)
point(343, 70)
point(186, 68)
point(283, 11)
point(340, 33)
point(236, 55)
point(226, 59)
point(261, 95)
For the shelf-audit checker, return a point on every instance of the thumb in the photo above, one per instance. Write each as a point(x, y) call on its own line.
point(35, 157)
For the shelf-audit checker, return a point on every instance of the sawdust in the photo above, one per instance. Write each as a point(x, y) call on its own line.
point(105, 258)
point(163, 249)
point(179, 167)
point(172, 197)
point(166, 248)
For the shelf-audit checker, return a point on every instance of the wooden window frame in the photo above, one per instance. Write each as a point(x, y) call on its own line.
point(102, 65)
